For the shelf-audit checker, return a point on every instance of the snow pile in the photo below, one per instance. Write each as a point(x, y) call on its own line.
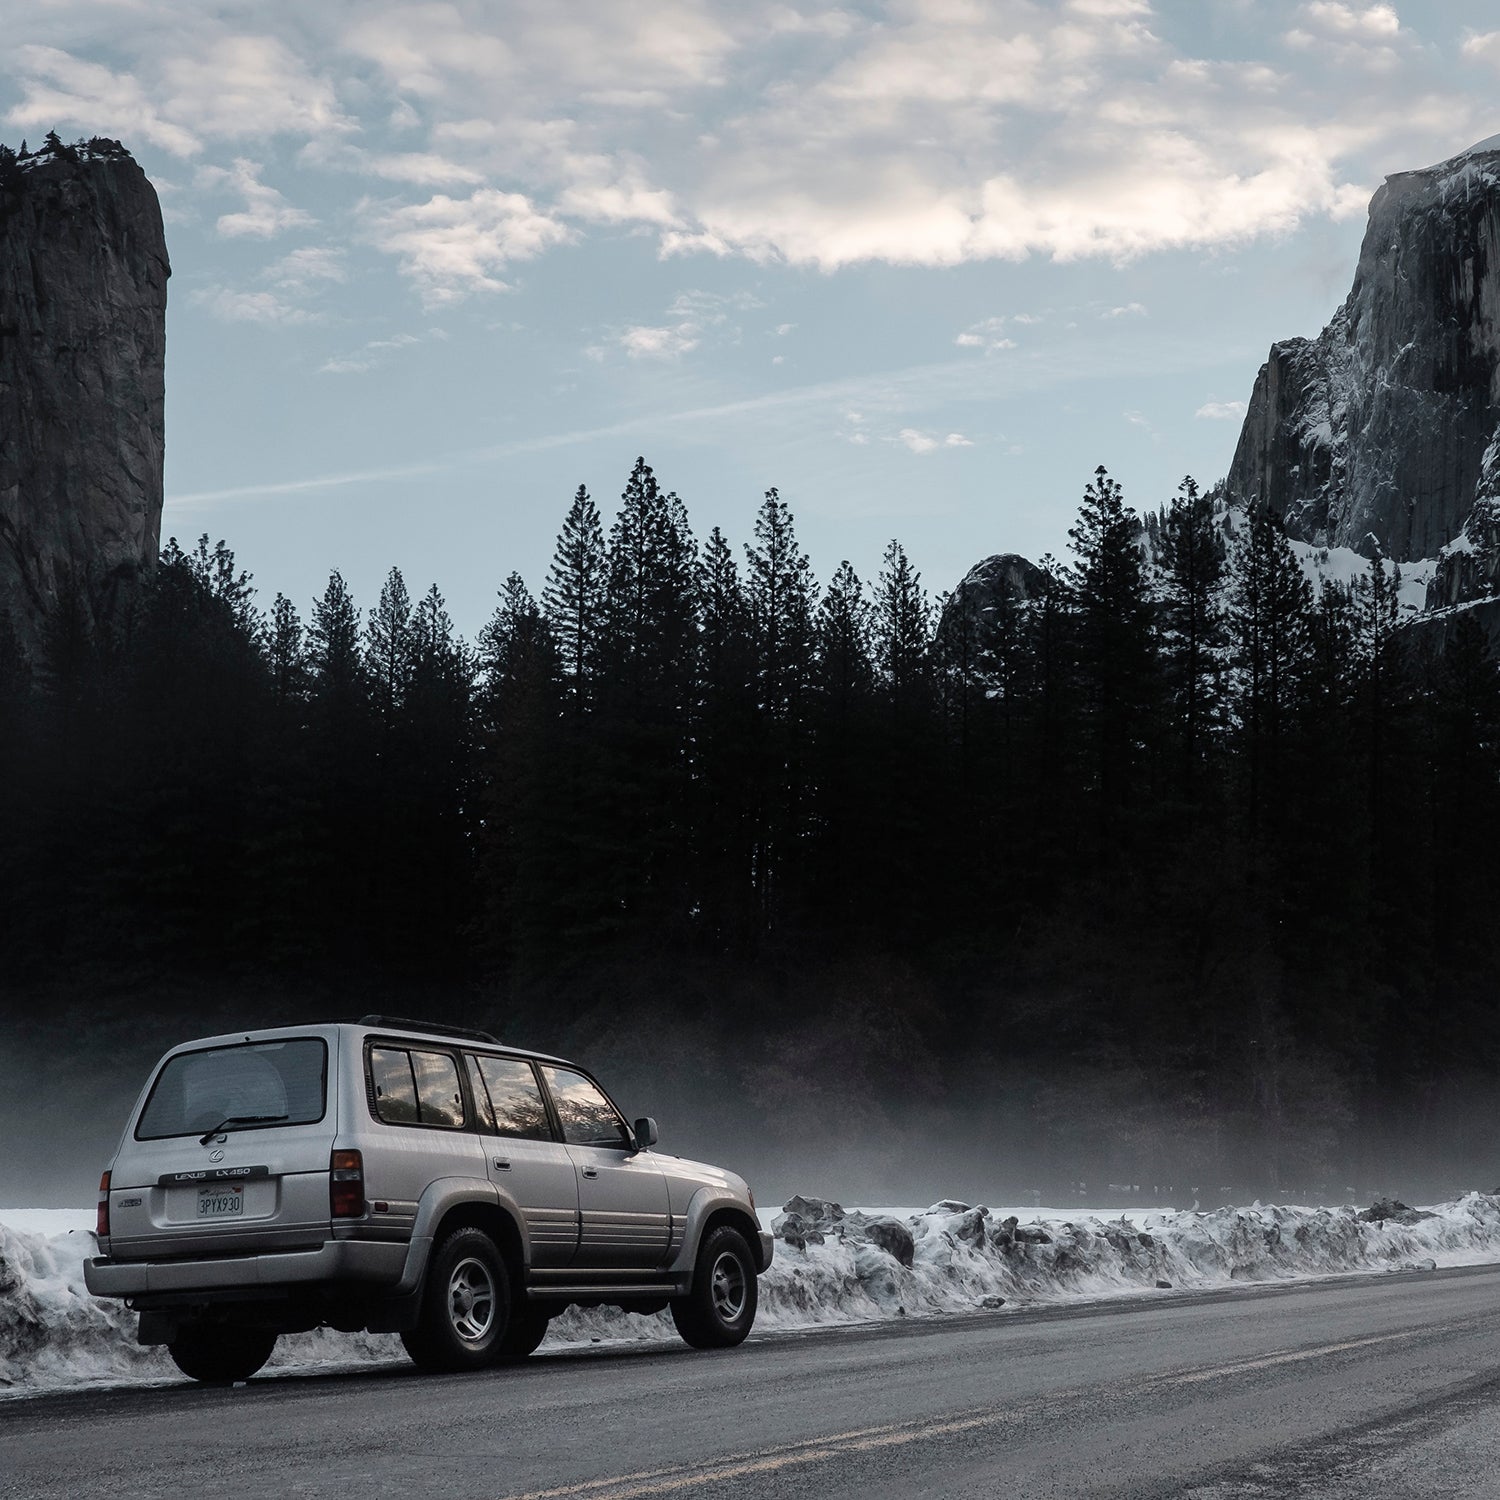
point(55, 1335)
point(832, 1266)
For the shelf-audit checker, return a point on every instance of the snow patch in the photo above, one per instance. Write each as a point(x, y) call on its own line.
point(832, 1267)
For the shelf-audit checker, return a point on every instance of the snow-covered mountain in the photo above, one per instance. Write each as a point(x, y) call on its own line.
point(1383, 433)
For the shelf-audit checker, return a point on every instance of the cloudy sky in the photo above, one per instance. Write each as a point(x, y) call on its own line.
point(921, 264)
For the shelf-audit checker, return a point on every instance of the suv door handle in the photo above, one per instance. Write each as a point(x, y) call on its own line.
point(502, 1164)
point(589, 1171)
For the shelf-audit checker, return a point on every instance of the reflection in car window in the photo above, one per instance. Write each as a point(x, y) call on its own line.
point(438, 1096)
point(196, 1090)
point(481, 1096)
point(516, 1099)
point(588, 1118)
point(416, 1088)
point(395, 1090)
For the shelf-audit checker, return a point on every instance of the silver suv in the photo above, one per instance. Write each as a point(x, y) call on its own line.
point(406, 1178)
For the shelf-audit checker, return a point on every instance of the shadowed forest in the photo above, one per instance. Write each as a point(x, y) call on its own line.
point(1156, 867)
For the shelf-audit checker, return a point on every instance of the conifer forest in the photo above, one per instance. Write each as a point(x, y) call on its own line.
point(1170, 869)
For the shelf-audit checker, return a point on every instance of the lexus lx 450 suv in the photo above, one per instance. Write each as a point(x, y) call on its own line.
point(408, 1178)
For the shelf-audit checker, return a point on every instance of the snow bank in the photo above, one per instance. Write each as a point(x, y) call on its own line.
point(832, 1267)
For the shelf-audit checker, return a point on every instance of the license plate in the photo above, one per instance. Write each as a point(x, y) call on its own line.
point(221, 1201)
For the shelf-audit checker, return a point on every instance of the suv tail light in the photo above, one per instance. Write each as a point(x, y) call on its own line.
point(101, 1217)
point(346, 1185)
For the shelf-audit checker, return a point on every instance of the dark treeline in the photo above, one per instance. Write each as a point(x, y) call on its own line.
point(1176, 871)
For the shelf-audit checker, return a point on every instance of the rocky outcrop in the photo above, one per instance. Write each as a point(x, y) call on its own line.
point(1379, 432)
point(83, 298)
point(984, 594)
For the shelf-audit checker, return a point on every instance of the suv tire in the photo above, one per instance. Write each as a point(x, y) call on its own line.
point(220, 1356)
point(720, 1309)
point(527, 1328)
point(466, 1306)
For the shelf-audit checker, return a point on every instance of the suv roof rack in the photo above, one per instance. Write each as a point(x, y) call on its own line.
point(430, 1028)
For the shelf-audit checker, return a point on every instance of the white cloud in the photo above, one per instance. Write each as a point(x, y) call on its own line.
point(1221, 411)
point(231, 306)
point(452, 247)
point(1373, 21)
point(1350, 35)
point(306, 267)
point(640, 342)
point(59, 90)
point(919, 442)
point(696, 316)
point(193, 81)
point(1484, 46)
point(247, 87)
point(920, 132)
point(988, 335)
point(403, 116)
point(1129, 310)
point(368, 356)
point(266, 213)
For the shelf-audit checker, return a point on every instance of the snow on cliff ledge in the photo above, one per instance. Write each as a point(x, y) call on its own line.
point(831, 1267)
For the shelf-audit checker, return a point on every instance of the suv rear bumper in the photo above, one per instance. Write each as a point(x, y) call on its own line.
point(353, 1260)
point(766, 1248)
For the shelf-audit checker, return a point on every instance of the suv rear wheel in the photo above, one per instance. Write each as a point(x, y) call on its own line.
point(466, 1306)
point(720, 1309)
point(219, 1356)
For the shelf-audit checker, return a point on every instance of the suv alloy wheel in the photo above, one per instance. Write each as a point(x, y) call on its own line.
point(466, 1306)
point(720, 1309)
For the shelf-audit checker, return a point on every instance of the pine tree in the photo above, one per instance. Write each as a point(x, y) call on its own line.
point(575, 597)
point(389, 649)
point(901, 620)
point(781, 596)
point(722, 735)
point(1270, 603)
point(846, 673)
point(333, 644)
point(286, 653)
point(845, 800)
point(1115, 639)
point(1192, 556)
point(649, 602)
point(521, 863)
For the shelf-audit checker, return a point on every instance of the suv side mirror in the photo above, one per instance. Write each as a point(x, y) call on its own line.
point(645, 1133)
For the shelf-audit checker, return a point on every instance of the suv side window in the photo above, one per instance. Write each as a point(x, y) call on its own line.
point(416, 1088)
point(514, 1098)
point(588, 1118)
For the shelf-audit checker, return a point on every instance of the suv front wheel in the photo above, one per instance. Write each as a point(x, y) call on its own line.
point(720, 1309)
point(465, 1308)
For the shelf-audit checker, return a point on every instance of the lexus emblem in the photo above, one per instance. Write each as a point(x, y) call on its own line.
point(216, 1155)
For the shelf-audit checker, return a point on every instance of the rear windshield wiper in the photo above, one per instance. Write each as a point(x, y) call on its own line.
point(207, 1136)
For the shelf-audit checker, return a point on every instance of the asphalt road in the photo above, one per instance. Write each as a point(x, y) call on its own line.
point(1383, 1386)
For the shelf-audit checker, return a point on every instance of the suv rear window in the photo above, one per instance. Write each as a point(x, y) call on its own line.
point(286, 1082)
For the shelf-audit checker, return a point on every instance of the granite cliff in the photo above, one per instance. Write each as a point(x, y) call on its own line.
point(1381, 432)
point(83, 297)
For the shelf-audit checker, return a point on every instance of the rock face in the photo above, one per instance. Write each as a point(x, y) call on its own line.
point(991, 585)
point(83, 298)
point(1381, 432)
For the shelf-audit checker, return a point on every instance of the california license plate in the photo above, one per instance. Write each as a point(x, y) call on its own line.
point(221, 1201)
